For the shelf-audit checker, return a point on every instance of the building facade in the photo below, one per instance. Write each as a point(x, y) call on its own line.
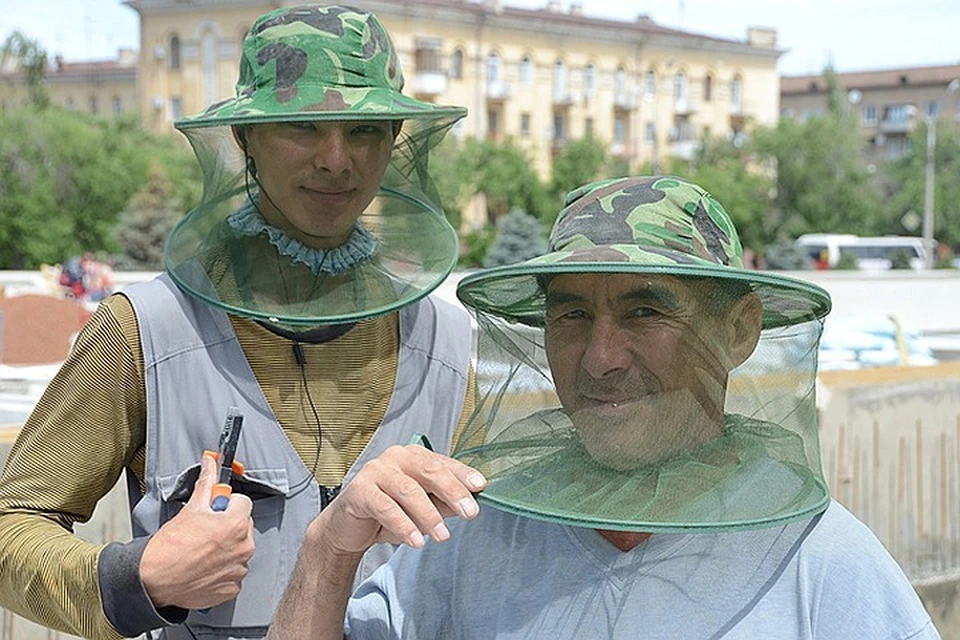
point(106, 87)
point(889, 103)
point(541, 77)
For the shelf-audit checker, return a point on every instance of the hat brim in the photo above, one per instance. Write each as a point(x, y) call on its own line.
point(514, 292)
point(314, 103)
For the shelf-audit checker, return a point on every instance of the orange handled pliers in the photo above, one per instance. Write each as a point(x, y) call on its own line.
point(229, 437)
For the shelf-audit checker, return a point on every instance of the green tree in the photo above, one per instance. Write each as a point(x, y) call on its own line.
point(504, 173)
point(904, 183)
point(31, 60)
point(474, 246)
point(579, 162)
point(66, 176)
point(143, 228)
point(520, 237)
point(740, 182)
point(451, 175)
point(823, 184)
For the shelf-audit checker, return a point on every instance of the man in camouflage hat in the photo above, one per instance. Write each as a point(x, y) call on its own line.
point(296, 291)
point(667, 482)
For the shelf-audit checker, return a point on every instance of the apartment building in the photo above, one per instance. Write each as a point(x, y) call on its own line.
point(540, 76)
point(106, 87)
point(889, 103)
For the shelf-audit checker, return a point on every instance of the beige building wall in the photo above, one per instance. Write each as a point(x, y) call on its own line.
point(107, 87)
point(599, 88)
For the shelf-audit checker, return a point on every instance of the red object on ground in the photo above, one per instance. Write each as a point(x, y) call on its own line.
point(38, 329)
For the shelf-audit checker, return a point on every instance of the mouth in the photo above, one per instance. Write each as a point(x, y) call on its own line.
point(329, 196)
point(611, 404)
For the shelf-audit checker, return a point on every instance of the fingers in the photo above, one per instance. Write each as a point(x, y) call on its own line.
point(239, 506)
point(203, 490)
point(409, 490)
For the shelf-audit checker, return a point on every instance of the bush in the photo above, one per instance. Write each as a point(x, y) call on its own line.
point(846, 262)
point(900, 260)
point(474, 246)
point(519, 237)
point(786, 256)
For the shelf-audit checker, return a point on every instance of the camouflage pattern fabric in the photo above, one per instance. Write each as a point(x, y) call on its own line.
point(314, 62)
point(654, 224)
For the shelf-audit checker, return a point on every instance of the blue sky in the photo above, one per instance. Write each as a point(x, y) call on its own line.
point(855, 34)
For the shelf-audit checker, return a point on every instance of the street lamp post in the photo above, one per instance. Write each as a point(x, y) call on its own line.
point(931, 122)
point(928, 189)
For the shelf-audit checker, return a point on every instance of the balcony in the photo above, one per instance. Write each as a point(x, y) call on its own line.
point(684, 149)
point(684, 106)
point(897, 125)
point(562, 99)
point(429, 83)
point(497, 91)
point(624, 101)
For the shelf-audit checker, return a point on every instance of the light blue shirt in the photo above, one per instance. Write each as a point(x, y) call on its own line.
point(509, 577)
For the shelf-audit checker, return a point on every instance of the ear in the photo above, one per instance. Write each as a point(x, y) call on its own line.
point(240, 135)
point(745, 321)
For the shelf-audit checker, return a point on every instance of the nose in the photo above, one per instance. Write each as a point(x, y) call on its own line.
point(605, 353)
point(332, 154)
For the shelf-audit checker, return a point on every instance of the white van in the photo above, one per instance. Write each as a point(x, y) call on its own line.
point(871, 253)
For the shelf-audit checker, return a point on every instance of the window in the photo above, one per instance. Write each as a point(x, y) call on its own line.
point(619, 130)
point(176, 108)
point(736, 94)
point(526, 72)
point(559, 126)
point(589, 79)
point(897, 113)
point(117, 105)
point(705, 132)
point(559, 80)
point(493, 69)
point(933, 109)
point(456, 64)
point(650, 133)
point(679, 87)
point(708, 88)
point(650, 84)
point(588, 128)
point(620, 82)
point(493, 124)
point(427, 56)
point(209, 68)
point(94, 107)
point(174, 51)
point(525, 124)
point(869, 115)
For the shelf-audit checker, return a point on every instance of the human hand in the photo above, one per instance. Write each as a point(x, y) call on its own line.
point(398, 498)
point(198, 558)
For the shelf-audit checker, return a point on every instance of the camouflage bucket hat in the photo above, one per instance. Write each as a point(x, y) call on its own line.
point(315, 62)
point(654, 225)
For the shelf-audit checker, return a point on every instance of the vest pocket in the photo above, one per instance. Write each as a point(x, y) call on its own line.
point(262, 587)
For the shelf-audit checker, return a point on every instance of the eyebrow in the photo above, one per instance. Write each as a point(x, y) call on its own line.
point(653, 294)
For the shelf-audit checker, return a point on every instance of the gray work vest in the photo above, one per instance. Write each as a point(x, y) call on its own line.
point(194, 369)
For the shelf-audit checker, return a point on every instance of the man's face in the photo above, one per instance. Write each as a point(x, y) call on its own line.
point(640, 363)
point(318, 177)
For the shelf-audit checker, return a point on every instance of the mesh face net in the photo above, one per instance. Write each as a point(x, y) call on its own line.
point(408, 246)
point(651, 400)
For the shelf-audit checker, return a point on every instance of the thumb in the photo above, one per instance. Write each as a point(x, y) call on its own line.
point(203, 490)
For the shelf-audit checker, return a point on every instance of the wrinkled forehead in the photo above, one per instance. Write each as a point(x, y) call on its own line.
point(616, 288)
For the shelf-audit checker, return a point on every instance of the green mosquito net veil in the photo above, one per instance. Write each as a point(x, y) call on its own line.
point(307, 65)
point(637, 378)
